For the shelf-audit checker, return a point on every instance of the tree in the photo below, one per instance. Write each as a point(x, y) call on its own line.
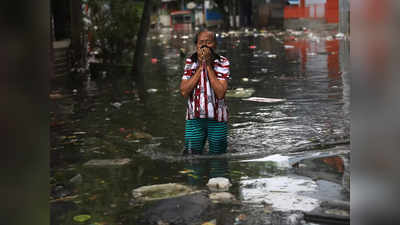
point(76, 29)
point(113, 25)
point(141, 38)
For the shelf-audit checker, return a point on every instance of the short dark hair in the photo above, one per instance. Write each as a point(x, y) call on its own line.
point(196, 37)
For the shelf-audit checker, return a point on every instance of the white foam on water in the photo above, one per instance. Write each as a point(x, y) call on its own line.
point(283, 193)
point(280, 160)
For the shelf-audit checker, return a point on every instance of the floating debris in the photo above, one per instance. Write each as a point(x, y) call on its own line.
point(339, 35)
point(252, 46)
point(282, 193)
point(240, 93)
point(56, 96)
point(154, 60)
point(117, 105)
point(289, 46)
point(222, 197)
point(77, 179)
point(152, 90)
point(139, 135)
point(271, 56)
point(211, 222)
point(219, 184)
point(255, 80)
point(160, 191)
point(245, 79)
point(107, 162)
point(280, 160)
point(266, 100)
point(186, 171)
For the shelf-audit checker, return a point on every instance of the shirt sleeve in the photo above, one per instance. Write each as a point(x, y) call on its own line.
point(222, 70)
point(188, 71)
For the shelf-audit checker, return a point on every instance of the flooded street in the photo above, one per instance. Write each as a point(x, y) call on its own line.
point(288, 100)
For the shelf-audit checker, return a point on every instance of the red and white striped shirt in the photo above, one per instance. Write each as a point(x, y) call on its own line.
point(202, 102)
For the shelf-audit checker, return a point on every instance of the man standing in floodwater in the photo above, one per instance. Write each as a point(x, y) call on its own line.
point(204, 83)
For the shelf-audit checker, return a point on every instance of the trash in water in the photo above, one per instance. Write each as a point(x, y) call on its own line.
point(186, 171)
point(240, 93)
point(107, 162)
point(160, 191)
point(255, 80)
point(283, 193)
point(264, 70)
point(151, 90)
point(219, 184)
point(138, 135)
point(77, 179)
point(288, 46)
point(56, 96)
point(211, 222)
point(280, 160)
point(245, 79)
point(154, 60)
point(267, 100)
point(117, 105)
point(339, 35)
point(271, 56)
point(252, 46)
point(223, 197)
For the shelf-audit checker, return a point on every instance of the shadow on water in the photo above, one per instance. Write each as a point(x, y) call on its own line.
point(111, 117)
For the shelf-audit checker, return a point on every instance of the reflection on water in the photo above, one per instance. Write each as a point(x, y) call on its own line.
point(200, 171)
point(313, 9)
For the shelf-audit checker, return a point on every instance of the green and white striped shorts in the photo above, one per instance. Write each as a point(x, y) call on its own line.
point(198, 130)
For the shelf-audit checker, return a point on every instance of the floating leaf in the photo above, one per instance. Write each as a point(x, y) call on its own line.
point(82, 218)
point(194, 176)
point(96, 223)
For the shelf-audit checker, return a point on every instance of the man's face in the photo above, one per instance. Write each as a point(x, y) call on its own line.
point(206, 38)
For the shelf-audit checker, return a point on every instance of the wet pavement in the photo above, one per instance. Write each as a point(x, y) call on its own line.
point(110, 115)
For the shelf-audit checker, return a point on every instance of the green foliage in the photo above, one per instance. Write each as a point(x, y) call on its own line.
point(114, 24)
